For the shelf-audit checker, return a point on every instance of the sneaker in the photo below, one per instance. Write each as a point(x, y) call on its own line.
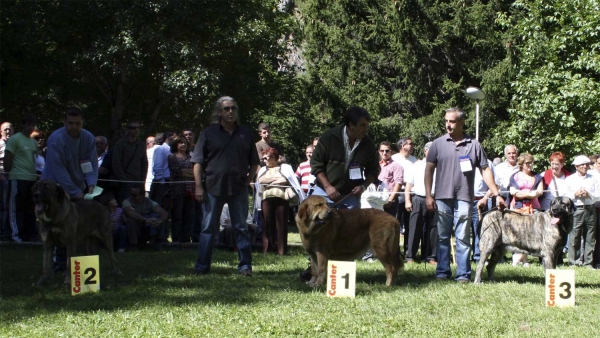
point(410, 261)
point(432, 262)
point(246, 272)
point(121, 250)
point(17, 239)
point(463, 281)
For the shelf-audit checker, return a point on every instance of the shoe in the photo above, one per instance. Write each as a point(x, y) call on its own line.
point(371, 260)
point(246, 272)
point(410, 261)
point(463, 281)
point(17, 239)
point(432, 262)
point(121, 250)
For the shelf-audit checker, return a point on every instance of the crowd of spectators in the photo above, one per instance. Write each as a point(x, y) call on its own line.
point(163, 188)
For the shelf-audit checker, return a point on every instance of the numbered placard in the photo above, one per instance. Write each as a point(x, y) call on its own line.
point(85, 274)
point(560, 287)
point(341, 279)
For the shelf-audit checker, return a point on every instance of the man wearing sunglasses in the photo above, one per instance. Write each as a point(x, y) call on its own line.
point(225, 163)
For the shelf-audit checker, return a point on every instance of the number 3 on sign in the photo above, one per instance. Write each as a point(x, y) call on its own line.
point(85, 274)
point(560, 287)
point(341, 279)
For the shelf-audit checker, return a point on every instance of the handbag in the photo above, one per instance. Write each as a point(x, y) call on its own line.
point(291, 196)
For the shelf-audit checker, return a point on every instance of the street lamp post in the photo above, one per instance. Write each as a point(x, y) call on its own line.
point(476, 94)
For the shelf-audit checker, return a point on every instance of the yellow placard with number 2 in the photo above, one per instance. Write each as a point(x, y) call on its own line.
point(85, 274)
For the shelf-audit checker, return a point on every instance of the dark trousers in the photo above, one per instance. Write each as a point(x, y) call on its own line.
point(476, 227)
point(275, 214)
point(597, 246)
point(403, 217)
point(25, 210)
point(160, 192)
point(5, 230)
point(422, 231)
point(584, 224)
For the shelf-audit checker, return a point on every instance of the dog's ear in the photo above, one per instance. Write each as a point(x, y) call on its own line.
point(572, 207)
point(302, 212)
point(59, 191)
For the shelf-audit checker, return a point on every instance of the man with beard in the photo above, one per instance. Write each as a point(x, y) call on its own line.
point(453, 157)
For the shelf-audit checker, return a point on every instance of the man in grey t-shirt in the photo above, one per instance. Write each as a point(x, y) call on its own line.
point(453, 157)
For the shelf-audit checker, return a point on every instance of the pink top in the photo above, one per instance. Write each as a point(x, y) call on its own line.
point(391, 174)
point(526, 183)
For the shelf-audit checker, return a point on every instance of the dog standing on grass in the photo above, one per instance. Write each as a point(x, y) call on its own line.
point(68, 224)
point(543, 234)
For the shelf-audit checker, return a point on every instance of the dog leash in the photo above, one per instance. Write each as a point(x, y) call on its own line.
point(340, 201)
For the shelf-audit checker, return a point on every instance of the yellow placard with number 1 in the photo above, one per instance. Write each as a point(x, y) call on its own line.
point(85, 274)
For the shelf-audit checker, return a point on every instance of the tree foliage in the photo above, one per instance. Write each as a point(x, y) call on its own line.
point(556, 105)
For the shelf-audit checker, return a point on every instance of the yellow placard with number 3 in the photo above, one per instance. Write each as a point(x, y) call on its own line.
point(85, 274)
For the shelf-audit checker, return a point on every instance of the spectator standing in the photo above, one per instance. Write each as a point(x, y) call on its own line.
point(504, 170)
point(266, 142)
point(555, 180)
point(19, 162)
point(405, 158)
point(345, 161)
point(584, 189)
point(182, 170)
point(391, 177)
point(454, 155)
point(161, 174)
point(223, 174)
point(5, 229)
point(189, 136)
point(525, 188)
point(270, 198)
point(150, 148)
point(303, 172)
point(40, 160)
point(422, 224)
point(129, 160)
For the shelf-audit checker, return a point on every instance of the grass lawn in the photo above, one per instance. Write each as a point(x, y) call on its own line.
point(158, 295)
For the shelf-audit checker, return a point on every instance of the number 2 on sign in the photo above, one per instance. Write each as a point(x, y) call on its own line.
point(85, 274)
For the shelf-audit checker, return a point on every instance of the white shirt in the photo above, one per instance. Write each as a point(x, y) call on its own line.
point(554, 191)
point(416, 177)
point(590, 183)
point(150, 174)
point(406, 163)
point(503, 172)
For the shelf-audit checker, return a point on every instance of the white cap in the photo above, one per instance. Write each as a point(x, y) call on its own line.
point(581, 159)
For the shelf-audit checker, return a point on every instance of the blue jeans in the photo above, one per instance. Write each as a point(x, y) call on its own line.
point(460, 223)
point(350, 202)
point(238, 211)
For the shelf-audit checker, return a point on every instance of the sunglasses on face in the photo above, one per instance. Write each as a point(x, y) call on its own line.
point(233, 108)
point(529, 163)
point(38, 138)
point(265, 158)
point(133, 127)
point(384, 151)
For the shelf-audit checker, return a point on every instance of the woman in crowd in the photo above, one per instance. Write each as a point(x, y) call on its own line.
point(272, 182)
point(525, 188)
point(40, 160)
point(554, 180)
point(181, 170)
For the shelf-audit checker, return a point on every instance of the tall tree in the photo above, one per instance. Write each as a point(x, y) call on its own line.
point(555, 105)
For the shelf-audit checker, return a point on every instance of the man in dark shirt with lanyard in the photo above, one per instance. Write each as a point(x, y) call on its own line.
point(220, 180)
point(454, 156)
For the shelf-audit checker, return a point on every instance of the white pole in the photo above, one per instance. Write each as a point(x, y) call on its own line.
point(477, 120)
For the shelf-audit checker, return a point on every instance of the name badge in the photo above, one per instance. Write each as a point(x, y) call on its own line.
point(355, 173)
point(465, 163)
point(86, 166)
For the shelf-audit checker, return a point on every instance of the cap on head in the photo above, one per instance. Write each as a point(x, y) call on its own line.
point(581, 159)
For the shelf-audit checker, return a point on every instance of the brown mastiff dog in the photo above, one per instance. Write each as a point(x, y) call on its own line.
point(345, 235)
point(543, 234)
point(69, 224)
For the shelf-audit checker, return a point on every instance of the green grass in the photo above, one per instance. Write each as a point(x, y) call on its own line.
point(159, 296)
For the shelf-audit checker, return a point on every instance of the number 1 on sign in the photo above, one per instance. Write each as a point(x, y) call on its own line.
point(341, 279)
